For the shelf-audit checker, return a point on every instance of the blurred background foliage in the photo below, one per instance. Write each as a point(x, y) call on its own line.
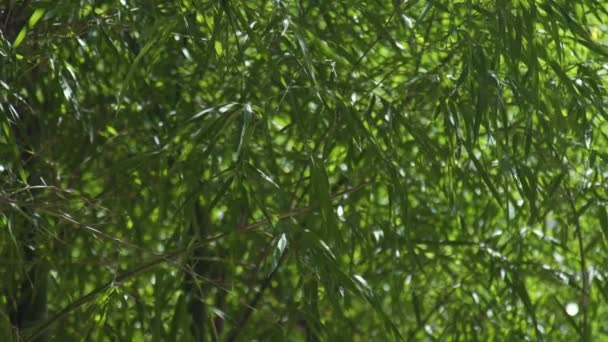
point(303, 170)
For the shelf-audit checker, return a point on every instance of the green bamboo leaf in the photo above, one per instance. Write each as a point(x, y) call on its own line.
point(482, 172)
point(603, 217)
point(20, 37)
point(321, 199)
point(33, 20)
point(245, 130)
point(163, 31)
point(520, 290)
point(36, 16)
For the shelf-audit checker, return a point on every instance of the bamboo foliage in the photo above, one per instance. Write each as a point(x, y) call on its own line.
point(303, 170)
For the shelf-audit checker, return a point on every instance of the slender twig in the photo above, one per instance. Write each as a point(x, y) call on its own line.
point(292, 213)
point(248, 310)
point(42, 328)
point(169, 257)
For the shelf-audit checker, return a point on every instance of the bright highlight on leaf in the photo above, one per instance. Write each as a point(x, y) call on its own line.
point(572, 309)
point(33, 20)
point(282, 243)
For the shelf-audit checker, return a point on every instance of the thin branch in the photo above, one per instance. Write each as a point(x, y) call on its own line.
point(239, 327)
point(43, 327)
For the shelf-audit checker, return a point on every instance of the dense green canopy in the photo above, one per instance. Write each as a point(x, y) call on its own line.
point(303, 170)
